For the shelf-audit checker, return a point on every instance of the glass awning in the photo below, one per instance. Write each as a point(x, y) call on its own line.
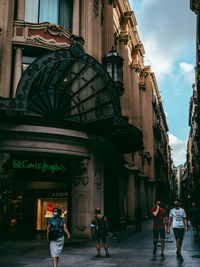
point(69, 87)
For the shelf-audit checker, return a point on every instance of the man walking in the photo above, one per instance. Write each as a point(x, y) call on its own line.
point(177, 216)
point(159, 222)
point(99, 230)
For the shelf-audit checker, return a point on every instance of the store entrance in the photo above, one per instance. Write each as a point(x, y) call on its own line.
point(31, 210)
point(40, 183)
point(45, 208)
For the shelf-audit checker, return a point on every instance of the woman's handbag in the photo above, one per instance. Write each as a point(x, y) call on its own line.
point(53, 235)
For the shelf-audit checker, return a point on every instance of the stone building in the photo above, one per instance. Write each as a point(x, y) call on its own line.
point(191, 181)
point(194, 139)
point(77, 113)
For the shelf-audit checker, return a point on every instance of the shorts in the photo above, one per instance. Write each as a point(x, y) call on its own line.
point(100, 236)
point(156, 233)
point(179, 233)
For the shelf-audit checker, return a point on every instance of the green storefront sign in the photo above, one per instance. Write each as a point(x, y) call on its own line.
point(42, 165)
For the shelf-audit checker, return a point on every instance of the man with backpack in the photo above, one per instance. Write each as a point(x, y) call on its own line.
point(99, 230)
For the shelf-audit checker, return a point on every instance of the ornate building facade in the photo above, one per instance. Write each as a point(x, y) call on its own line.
point(194, 115)
point(79, 123)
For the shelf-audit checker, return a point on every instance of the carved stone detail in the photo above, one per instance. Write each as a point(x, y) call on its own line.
point(80, 169)
point(53, 30)
point(96, 7)
point(98, 175)
point(142, 85)
point(46, 34)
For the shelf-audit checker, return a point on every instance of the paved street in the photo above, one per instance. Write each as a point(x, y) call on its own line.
point(130, 249)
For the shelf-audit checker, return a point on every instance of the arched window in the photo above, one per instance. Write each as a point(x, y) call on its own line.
point(59, 12)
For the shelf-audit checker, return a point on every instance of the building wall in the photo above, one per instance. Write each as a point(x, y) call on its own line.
point(103, 25)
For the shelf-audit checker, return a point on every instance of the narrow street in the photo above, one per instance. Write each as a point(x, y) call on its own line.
point(130, 249)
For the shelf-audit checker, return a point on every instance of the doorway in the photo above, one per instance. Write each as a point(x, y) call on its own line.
point(45, 208)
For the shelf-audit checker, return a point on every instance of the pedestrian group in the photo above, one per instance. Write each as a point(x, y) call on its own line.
point(100, 230)
point(178, 220)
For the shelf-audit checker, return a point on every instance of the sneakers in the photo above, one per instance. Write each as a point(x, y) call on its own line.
point(98, 256)
point(162, 255)
point(180, 258)
point(154, 251)
point(108, 255)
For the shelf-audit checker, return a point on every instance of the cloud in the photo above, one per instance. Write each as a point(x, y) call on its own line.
point(165, 30)
point(186, 67)
point(179, 149)
point(187, 72)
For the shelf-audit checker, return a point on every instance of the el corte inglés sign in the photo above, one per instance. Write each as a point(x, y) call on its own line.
point(41, 165)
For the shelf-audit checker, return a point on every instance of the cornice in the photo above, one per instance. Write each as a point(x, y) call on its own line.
point(49, 138)
point(155, 86)
point(35, 134)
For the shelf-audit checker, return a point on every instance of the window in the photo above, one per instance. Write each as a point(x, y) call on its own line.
point(26, 61)
point(54, 11)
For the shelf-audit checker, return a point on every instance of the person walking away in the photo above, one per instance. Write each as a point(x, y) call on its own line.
point(138, 219)
point(177, 217)
point(159, 222)
point(57, 223)
point(194, 214)
point(99, 231)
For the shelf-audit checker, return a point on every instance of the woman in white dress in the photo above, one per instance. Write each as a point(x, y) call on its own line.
point(57, 223)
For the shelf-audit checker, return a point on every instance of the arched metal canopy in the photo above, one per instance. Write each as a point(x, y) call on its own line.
point(71, 88)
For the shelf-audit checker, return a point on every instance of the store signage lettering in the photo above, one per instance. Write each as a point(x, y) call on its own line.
point(43, 166)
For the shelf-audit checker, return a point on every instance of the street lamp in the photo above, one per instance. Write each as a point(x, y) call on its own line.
point(113, 63)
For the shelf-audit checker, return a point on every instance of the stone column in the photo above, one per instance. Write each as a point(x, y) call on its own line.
point(81, 197)
point(98, 196)
point(87, 193)
point(20, 9)
point(135, 96)
point(149, 198)
point(143, 196)
point(76, 17)
point(131, 197)
point(108, 28)
point(6, 23)
point(142, 112)
point(125, 99)
point(17, 69)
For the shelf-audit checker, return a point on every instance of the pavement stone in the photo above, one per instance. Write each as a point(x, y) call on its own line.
point(129, 249)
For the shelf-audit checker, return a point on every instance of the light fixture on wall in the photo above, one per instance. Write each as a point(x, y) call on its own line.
point(145, 155)
point(148, 157)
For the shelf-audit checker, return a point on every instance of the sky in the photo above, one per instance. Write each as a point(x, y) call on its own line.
point(167, 29)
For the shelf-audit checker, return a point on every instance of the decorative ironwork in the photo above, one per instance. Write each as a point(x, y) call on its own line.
point(69, 87)
point(65, 85)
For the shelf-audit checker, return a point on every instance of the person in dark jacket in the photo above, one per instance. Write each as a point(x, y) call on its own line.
point(99, 231)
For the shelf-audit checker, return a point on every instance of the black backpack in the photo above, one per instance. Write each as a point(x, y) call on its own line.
point(101, 224)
